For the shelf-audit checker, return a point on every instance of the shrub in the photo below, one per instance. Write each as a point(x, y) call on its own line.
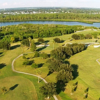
point(88, 36)
point(57, 40)
point(34, 65)
point(44, 55)
point(36, 54)
point(41, 40)
point(27, 62)
point(25, 42)
point(75, 36)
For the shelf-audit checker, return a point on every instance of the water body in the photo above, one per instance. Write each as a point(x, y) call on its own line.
point(51, 22)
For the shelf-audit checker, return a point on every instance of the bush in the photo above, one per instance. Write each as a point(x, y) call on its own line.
point(44, 55)
point(41, 40)
point(34, 65)
point(27, 62)
point(76, 36)
point(88, 36)
point(25, 42)
point(57, 40)
point(36, 54)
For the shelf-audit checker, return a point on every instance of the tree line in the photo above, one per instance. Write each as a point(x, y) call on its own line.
point(16, 33)
point(57, 17)
point(67, 51)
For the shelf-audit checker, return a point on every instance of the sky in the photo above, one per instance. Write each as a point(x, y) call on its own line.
point(50, 3)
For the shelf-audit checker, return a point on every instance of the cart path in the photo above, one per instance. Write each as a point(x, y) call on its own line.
point(28, 73)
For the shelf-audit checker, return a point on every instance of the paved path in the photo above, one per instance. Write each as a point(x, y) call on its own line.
point(98, 61)
point(28, 73)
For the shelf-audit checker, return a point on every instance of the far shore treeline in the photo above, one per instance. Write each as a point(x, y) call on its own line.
point(88, 18)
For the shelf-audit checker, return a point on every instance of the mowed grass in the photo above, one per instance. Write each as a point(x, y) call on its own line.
point(89, 74)
point(18, 88)
point(8, 78)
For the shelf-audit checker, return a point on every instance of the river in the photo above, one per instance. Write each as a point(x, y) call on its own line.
point(51, 22)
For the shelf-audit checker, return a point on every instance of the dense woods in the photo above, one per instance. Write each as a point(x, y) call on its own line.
point(16, 33)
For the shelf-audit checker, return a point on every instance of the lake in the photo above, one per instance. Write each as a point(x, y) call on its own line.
point(51, 22)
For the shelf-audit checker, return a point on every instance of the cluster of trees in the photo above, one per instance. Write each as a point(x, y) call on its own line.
point(65, 70)
point(29, 43)
point(23, 31)
point(56, 17)
point(67, 51)
point(5, 43)
point(64, 75)
point(81, 36)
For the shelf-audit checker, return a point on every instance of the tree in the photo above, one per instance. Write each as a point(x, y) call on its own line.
point(41, 40)
point(75, 36)
point(48, 89)
point(54, 64)
point(5, 45)
point(25, 42)
point(64, 76)
point(44, 55)
point(88, 36)
point(34, 65)
point(57, 40)
point(36, 54)
point(66, 67)
point(33, 46)
point(58, 53)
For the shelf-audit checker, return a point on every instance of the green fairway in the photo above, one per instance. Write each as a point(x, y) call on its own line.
point(89, 74)
point(19, 88)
